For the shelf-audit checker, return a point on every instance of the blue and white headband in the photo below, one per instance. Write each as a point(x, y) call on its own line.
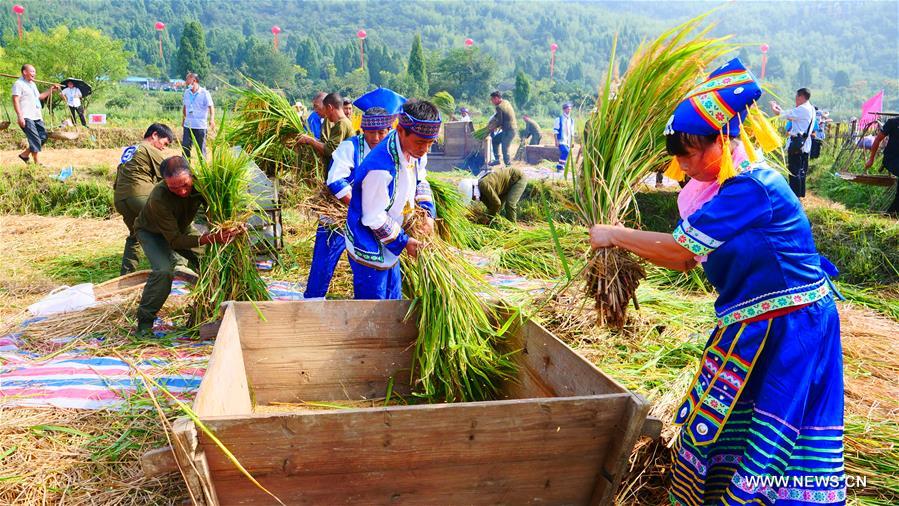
point(426, 129)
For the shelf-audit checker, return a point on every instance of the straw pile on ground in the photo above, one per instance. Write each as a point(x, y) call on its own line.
point(77, 457)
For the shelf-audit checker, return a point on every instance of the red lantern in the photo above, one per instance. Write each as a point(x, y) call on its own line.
point(361, 34)
point(553, 47)
point(764, 48)
point(469, 42)
point(19, 10)
point(160, 26)
point(275, 31)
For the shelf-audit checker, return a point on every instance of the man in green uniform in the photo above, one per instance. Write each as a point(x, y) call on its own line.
point(501, 189)
point(337, 128)
point(531, 133)
point(138, 172)
point(503, 119)
point(165, 230)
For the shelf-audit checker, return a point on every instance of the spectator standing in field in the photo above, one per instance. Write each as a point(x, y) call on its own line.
point(890, 132)
point(504, 120)
point(73, 100)
point(26, 101)
point(464, 116)
point(564, 132)
point(198, 114)
point(801, 120)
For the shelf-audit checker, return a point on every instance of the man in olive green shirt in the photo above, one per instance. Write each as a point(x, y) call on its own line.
point(165, 230)
point(138, 172)
point(501, 189)
point(337, 128)
point(531, 133)
point(503, 119)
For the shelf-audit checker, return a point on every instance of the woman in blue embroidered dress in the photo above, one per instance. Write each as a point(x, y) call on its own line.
point(762, 421)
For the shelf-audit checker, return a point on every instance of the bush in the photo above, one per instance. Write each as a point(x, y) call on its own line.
point(865, 248)
point(23, 193)
point(170, 100)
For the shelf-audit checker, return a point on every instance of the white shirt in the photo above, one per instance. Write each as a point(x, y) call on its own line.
point(375, 197)
point(563, 129)
point(801, 117)
point(196, 108)
point(29, 99)
point(465, 118)
point(73, 96)
point(342, 164)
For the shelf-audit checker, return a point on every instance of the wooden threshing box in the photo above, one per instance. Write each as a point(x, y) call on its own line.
point(562, 435)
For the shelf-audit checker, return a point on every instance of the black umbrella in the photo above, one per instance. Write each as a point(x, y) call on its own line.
point(81, 85)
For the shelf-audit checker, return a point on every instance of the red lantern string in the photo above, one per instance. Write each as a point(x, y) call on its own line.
point(361, 35)
point(552, 59)
point(275, 31)
point(764, 48)
point(19, 10)
point(160, 26)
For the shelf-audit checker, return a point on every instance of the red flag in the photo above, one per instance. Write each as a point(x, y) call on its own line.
point(872, 105)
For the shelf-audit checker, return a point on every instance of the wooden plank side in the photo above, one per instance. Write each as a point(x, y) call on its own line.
point(224, 389)
point(338, 447)
point(560, 482)
point(550, 368)
point(629, 429)
point(326, 350)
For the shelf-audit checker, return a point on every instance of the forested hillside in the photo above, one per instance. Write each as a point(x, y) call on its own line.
point(843, 51)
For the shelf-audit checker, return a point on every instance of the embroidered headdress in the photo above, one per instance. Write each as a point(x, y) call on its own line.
point(722, 105)
point(383, 98)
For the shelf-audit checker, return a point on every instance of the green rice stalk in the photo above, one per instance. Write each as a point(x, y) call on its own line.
point(227, 271)
point(480, 133)
point(267, 126)
point(458, 354)
point(624, 142)
point(445, 103)
point(454, 223)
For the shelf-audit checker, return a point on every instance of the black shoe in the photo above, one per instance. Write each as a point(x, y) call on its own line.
point(494, 163)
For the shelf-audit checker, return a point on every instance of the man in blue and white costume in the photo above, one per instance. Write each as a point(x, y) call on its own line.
point(564, 132)
point(315, 121)
point(387, 187)
point(381, 107)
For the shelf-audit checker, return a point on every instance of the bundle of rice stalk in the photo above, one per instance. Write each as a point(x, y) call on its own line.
point(480, 133)
point(626, 142)
point(541, 251)
point(227, 271)
point(445, 103)
point(454, 223)
point(267, 125)
point(458, 355)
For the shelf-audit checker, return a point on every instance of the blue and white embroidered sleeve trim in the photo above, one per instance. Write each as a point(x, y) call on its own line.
point(694, 240)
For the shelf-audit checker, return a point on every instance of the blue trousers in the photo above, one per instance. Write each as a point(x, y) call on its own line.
point(373, 284)
point(329, 245)
point(563, 156)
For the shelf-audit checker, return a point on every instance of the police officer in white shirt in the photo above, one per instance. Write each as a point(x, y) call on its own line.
point(800, 144)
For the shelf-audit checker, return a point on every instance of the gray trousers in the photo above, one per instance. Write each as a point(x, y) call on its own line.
point(193, 136)
point(163, 260)
point(129, 208)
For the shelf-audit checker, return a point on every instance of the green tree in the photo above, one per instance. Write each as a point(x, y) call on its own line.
point(465, 73)
point(522, 91)
point(841, 79)
point(417, 68)
point(804, 74)
point(309, 56)
point(84, 53)
point(192, 53)
point(775, 68)
point(265, 64)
